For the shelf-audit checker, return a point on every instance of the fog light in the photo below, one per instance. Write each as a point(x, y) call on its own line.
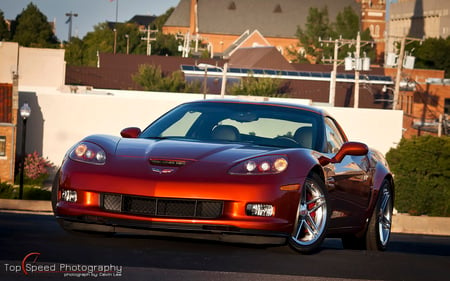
point(262, 210)
point(69, 195)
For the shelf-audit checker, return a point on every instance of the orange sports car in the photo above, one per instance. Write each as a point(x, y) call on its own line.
point(232, 170)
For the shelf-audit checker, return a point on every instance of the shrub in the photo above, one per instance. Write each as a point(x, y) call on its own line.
point(254, 86)
point(421, 166)
point(36, 169)
point(7, 191)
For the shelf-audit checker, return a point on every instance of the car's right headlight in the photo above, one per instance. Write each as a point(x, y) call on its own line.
point(263, 165)
point(87, 152)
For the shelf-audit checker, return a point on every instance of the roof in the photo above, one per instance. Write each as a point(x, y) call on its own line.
point(142, 19)
point(273, 18)
point(115, 71)
point(259, 57)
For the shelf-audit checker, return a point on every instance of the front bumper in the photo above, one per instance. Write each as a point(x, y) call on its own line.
point(215, 232)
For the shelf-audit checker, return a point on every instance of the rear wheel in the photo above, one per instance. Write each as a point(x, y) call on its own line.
point(312, 216)
point(378, 231)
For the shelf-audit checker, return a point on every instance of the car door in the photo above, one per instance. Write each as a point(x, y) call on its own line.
point(349, 181)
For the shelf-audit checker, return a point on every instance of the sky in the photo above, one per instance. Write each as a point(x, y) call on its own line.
point(90, 12)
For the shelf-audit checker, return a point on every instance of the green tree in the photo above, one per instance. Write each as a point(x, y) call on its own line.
point(151, 78)
point(75, 52)
point(101, 40)
point(317, 26)
point(347, 26)
point(4, 32)
point(159, 22)
point(254, 86)
point(421, 166)
point(432, 54)
point(33, 29)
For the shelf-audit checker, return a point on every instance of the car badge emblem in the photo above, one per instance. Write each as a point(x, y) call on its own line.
point(163, 170)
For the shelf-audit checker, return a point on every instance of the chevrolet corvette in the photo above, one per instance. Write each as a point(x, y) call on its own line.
point(232, 170)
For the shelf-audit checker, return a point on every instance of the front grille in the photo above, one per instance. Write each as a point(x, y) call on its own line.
point(162, 207)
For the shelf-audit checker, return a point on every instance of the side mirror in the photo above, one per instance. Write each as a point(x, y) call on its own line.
point(348, 148)
point(131, 132)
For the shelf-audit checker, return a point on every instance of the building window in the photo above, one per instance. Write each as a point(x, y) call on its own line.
point(447, 106)
point(2, 146)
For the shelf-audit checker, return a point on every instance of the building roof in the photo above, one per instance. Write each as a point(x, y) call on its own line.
point(142, 19)
point(259, 57)
point(273, 18)
point(115, 71)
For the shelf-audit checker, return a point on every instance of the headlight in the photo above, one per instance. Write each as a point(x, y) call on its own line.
point(87, 152)
point(272, 164)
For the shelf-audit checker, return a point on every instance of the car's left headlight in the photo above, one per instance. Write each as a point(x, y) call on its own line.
point(271, 164)
point(87, 152)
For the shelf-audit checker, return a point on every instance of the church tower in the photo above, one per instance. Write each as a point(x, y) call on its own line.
point(373, 17)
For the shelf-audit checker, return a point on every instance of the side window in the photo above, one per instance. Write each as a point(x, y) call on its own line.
point(334, 137)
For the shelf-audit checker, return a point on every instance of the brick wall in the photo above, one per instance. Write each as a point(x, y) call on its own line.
point(7, 133)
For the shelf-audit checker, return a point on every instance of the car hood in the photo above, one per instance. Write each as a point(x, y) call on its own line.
point(169, 149)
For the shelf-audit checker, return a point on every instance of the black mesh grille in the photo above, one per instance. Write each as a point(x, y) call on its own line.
point(162, 207)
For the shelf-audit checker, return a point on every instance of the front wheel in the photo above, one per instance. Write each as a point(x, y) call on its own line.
point(312, 216)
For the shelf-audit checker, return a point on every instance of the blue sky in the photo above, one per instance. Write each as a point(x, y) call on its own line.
point(90, 12)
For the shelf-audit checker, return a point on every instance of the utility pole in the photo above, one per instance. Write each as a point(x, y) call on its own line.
point(358, 66)
point(69, 21)
point(148, 38)
point(338, 43)
point(401, 56)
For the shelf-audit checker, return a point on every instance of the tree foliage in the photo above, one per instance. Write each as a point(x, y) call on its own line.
point(318, 26)
point(101, 40)
point(151, 78)
point(254, 86)
point(4, 32)
point(422, 175)
point(32, 29)
point(432, 53)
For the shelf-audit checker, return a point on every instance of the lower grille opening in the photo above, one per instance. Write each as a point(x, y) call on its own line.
point(162, 207)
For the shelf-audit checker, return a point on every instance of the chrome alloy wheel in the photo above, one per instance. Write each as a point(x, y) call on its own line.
point(311, 215)
point(385, 217)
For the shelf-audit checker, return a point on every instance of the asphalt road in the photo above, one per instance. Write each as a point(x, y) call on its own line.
point(62, 256)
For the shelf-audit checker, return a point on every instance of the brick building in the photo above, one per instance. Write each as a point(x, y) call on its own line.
point(220, 24)
point(8, 122)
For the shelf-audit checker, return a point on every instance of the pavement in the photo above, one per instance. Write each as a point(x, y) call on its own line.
point(401, 223)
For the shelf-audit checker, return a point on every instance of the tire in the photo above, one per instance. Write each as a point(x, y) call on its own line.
point(378, 231)
point(312, 216)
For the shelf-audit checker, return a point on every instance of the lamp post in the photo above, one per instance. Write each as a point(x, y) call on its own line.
point(128, 43)
point(25, 112)
point(205, 66)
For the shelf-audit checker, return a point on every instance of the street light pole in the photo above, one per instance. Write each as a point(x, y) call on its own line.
point(69, 21)
point(25, 112)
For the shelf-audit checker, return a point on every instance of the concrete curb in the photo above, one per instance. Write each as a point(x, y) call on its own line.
point(26, 205)
point(401, 223)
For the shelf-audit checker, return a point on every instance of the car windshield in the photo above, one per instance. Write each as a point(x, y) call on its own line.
point(258, 124)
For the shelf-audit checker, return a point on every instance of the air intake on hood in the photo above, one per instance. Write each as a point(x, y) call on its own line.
point(168, 162)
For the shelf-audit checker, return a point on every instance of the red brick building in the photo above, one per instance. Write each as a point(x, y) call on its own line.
point(8, 122)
